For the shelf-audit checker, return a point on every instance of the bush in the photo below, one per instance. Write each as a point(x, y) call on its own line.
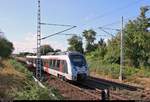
point(6, 47)
point(35, 92)
point(31, 91)
point(18, 66)
point(112, 70)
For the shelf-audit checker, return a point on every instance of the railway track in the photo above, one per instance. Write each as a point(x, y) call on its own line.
point(114, 85)
point(101, 84)
point(71, 91)
point(85, 90)
point(104, 86)
point(99, 88)
point(90, 89)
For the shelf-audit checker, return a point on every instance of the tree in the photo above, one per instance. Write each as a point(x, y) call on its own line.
point(44, 49)
point(6, 47)
point(113, 50)
point(57, 50)
point(102, 48)
point(75, 43)
point(90, 37)
point(137, 42)
point(23, 54)
point(137, 39)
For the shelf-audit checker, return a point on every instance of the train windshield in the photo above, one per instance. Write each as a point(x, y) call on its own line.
point(78, 60)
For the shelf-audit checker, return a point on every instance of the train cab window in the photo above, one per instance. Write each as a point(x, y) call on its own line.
point(77, 60)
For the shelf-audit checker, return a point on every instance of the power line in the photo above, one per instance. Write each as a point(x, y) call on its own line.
point(113, 11)
point(56, 24)
point(57, 33)
point(117, 9)
point(106, 32)
point(109, 28)
point(118, 21)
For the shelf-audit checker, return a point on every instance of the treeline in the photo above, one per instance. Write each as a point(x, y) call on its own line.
point(136, 43)
point(44, 50)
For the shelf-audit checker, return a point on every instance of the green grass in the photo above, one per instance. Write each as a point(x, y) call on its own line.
point(31, 91)
point(19, 67)
point(102, 68)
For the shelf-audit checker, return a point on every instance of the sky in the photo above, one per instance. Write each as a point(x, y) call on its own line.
point(18, 19)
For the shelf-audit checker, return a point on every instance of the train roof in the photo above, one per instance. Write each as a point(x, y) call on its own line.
point(58, 54)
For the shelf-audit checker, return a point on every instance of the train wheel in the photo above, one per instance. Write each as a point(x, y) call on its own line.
point(64, 78)
point(58, 76)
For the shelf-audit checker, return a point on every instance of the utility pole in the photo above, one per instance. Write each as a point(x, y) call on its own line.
point(38, 61)
point(121, 51)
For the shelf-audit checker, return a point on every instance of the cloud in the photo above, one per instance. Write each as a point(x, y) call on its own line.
point(29, 44)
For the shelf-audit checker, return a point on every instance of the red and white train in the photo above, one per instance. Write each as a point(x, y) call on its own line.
point(68, 65)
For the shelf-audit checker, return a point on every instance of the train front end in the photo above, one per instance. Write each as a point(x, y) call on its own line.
point(79, 67)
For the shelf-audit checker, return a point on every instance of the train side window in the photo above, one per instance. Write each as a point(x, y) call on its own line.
point(54, 64)
point(50, 64)
point(57, 64)
point(28, 59)
point(34, 61)
point(43, 62)
point(64, 66)
point(46, 63)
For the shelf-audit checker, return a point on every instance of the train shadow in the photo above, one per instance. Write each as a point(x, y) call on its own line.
point(80, 84)
point(114, 85)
